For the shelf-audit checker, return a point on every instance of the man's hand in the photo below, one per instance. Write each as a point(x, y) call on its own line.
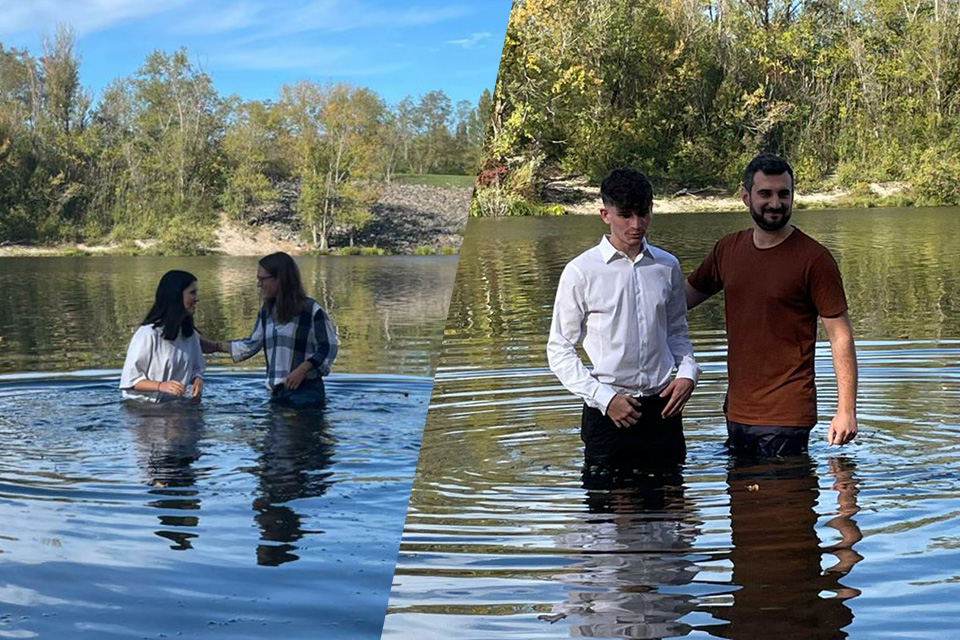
point(679, 392)
point(843, 428)
point(624, 410)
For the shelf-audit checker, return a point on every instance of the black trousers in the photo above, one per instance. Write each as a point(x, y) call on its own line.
point(651, 442)
point(766, 440)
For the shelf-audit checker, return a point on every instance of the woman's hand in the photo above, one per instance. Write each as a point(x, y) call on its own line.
point(293, 380)
point(172, 387)
point(196, 388)
point(209, 346)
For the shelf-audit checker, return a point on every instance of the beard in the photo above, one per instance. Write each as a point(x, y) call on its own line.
point(771, 226)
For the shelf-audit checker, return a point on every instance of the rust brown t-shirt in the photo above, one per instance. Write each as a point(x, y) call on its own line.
point(773, 298)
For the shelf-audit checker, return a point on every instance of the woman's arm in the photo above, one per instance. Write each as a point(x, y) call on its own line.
point(167, 386)
point(326, 339)
point(140, 353)
point(247, 347)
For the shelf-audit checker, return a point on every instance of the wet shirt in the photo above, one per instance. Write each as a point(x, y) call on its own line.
point(773, 298)
point(151, 357)
point(310, 336)
point(630, 316)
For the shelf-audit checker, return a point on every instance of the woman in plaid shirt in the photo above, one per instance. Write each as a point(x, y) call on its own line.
point(297, 337)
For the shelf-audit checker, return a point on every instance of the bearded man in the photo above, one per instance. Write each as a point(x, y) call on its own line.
point(777, 281)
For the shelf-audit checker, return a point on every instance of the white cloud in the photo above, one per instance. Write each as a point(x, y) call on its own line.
point(352, 15)
point(85, 16)
point(471, 42)
point(260, 18)
point(206, 19)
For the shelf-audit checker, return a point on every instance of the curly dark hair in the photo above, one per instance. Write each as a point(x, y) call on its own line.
point(628, 190)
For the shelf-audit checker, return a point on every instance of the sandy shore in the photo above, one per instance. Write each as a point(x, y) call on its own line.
point(579, 198)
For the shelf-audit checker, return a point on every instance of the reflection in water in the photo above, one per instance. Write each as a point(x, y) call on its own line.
point(167, 438)
point(776, 553)
point(293, 462)
point(125, 521)
point(497, 538)
point(634, 540)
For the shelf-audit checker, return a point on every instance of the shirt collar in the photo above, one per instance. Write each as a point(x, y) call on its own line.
point(609, 252)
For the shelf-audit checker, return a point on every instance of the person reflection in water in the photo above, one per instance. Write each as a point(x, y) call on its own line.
point(168, 446)
point(634, 563)
point(781, 590)
point(293, 463)
point(164, 357)
point(624, 299)
point(298, 340)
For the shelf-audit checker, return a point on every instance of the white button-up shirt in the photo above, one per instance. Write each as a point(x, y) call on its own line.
point(632, 318)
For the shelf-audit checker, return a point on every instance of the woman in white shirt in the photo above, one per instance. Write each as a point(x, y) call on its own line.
point(297, 337)
point(164, 356)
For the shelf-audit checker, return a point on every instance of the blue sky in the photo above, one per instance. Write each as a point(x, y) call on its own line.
point(253, 47)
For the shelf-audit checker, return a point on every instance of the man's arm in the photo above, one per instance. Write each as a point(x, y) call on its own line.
point(843, 427)
point(846, 485)
point(566, 330)
point(678, 340)
point(694, 297)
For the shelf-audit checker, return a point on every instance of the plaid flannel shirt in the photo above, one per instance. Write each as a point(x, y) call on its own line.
point(310, 336)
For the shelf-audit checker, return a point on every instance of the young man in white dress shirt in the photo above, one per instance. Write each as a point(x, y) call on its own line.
point(624, 299)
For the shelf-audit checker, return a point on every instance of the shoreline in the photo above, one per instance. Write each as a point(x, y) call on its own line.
point(411, 219)
point(578, 198)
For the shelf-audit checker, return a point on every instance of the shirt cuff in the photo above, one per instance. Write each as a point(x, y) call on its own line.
point(232, 345)
point(603, 396)
point(132, 383)
point(690, 370)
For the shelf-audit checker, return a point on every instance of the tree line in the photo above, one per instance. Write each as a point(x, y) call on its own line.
point(851, 91)
point(161, 154)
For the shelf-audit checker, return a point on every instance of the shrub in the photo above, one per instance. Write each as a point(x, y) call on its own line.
point(497, 202)
point(937, 178)
point(185, 237)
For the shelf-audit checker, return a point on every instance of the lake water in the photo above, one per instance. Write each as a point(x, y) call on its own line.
point(504, 539)
point(233, 519)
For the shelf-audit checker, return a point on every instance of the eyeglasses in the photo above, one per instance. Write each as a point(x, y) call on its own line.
point(260, 279)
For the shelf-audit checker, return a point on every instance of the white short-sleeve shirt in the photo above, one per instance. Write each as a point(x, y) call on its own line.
point(151, 357)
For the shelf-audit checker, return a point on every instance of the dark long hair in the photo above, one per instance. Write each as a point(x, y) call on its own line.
point(168, 310)
point(290, 295)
